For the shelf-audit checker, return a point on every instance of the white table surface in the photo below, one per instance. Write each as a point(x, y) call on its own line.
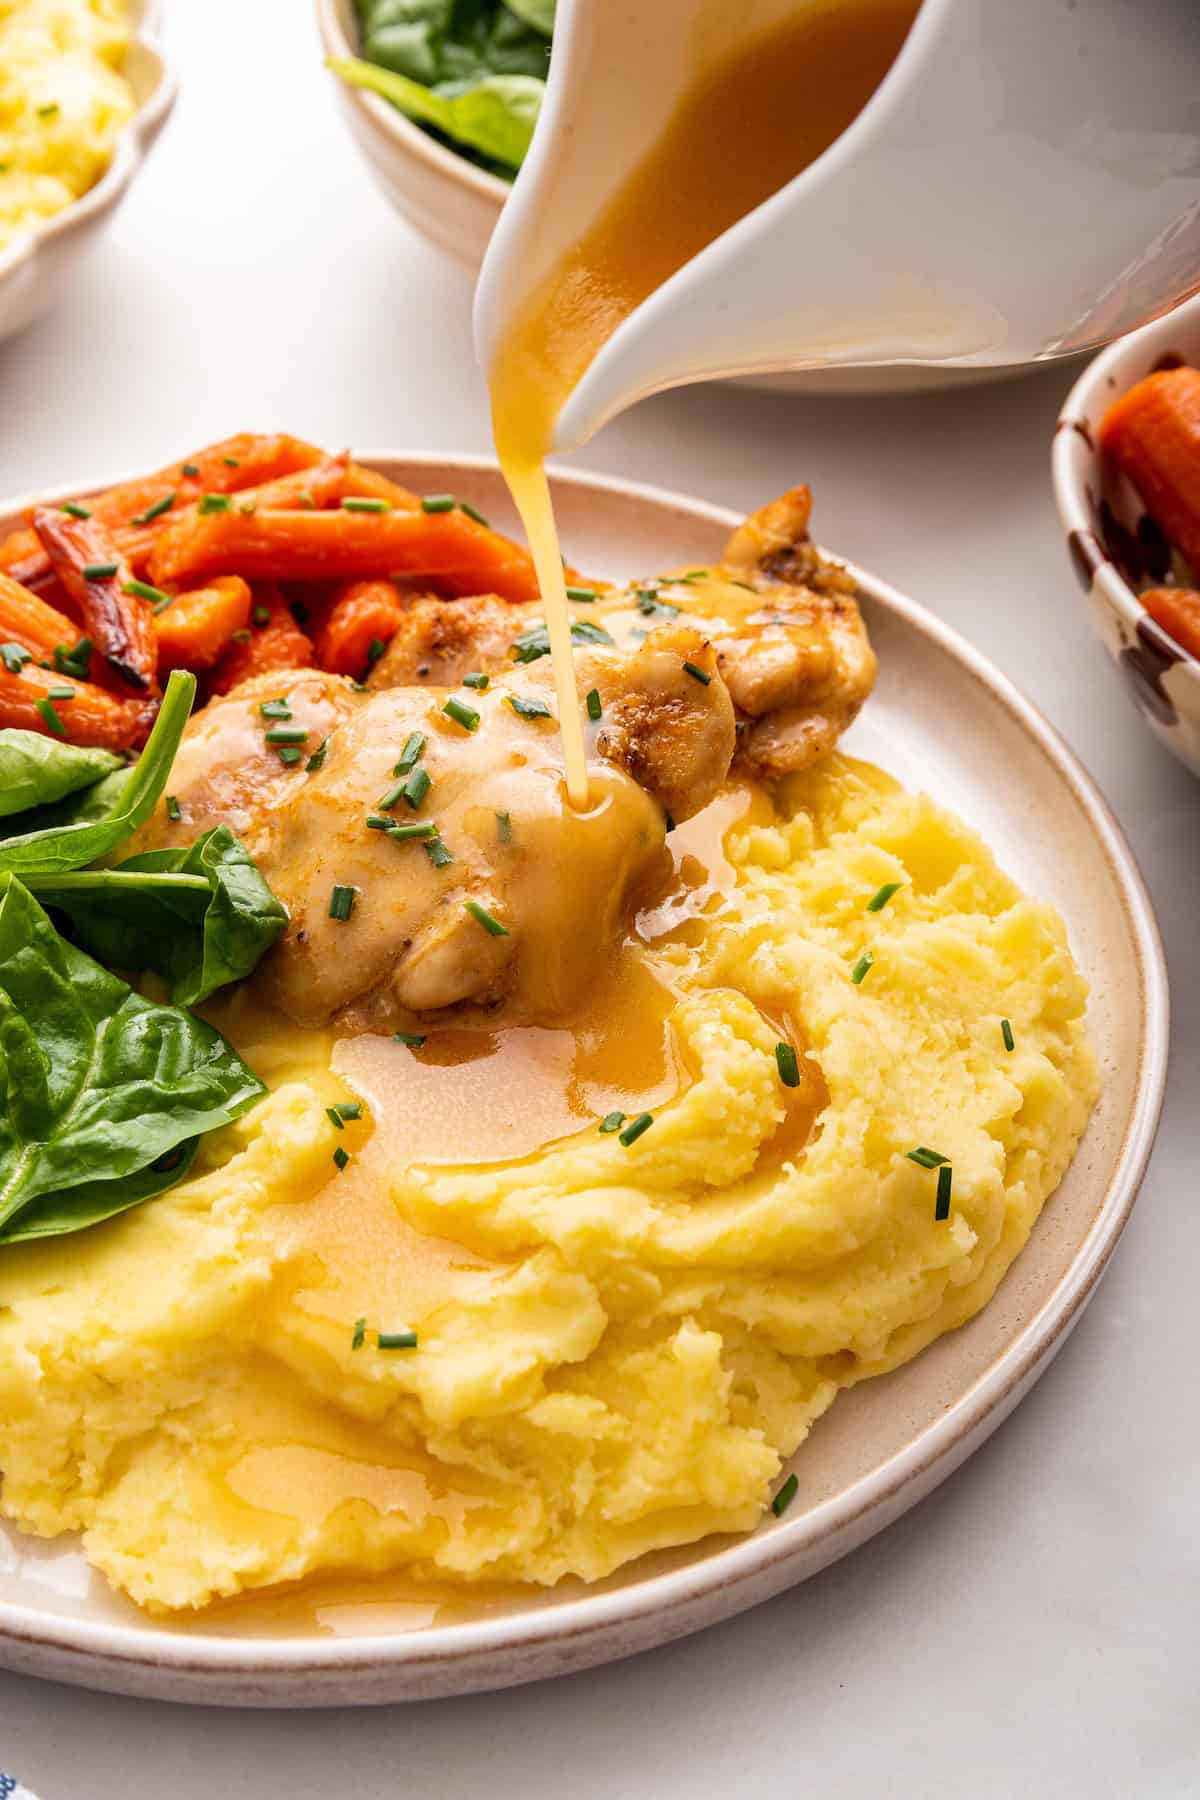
point(1031, 1628)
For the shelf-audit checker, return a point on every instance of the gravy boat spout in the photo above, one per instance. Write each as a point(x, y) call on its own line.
point(1024, 183)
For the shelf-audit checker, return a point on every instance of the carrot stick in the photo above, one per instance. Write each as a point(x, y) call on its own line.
point(451, 548)
point(243, 461)
point(369, 484)
point(89, 716)
point(1152, 434)
point(196, 627)
point(363, 614)
point(275, 642)
point(27, 620)
point(120, 624)
point(1177, 610)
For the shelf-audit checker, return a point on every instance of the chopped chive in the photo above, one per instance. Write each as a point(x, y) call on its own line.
point(438, 503)
point(334, 1117)
point(360, 1334)
point(504, 827)
point(349, 1109)
point(317, 759)
point(416, 787)
point(261, 616)
point(144, 591)
point(75, 660)
point(463, 715)
point(341, 902)
point(788, 1064)
point(287, 734)
point(231, 462)
point(878, 901)
point(60, 693)
point(480, 682)
point(75, 510)
point(375, 650)
point(48, 111)
point(473, 513)
point(488, 920)
point(341, 1157)
point(862, 968)
point(363, 504)
point(941, 1208)
point(693, 575)
point(215, 503)
point(397, 1340)
point(529, 709)
point(190, 469)
point(411, 754)
point(379, 822)
point(289, 754)
point(392, 798)
point(1006, 1032)
point(241, 636)
point(635, 1128)
point(785, 1496)
point(99, 571)
point(406, 834)
point(582, 595)
point(438, 854)
point(592, 703)
point(689, 668)
point(157, 510)
point(928, 1159)
point(275, 709)
point(172, 806)
point(14, 657)
point(612, 1121)
point(413, 1039)
point(46, 708)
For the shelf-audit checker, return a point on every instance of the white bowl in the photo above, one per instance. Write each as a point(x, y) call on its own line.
point(36, 266)
point(1097, 506)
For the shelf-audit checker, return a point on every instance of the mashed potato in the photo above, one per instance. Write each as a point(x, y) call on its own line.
point(62, 103)
point(619, 1347)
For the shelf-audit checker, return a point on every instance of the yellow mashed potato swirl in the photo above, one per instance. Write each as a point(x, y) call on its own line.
point(62, 102)
point(619, 1347)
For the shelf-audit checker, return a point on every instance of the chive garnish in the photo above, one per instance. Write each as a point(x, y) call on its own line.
point(473, 513)
point(862, 968)
point(463, 715)
point(489, 921)
point(534, 641)
point(289, 754)
point(529, 709)
point(46, 708)
point(287, 734)
point(592, 703)
point(689, 668)
point(341, 902)
point(392, 798)
point(172, 806)
point(76, 510)
point(788, 1064)
point(612, 1121)
point(785, 1496)
point(14, 657)
point(349, 1109)
point(144, 591)
point(504, 827)
point(941, 1208)
point(261, 616)
point(413, 1039)
point(231, 462)
point(411, 754)
point(241, 636)
point(48, 111)
point(99, 571)
point(317, 759)
point(75, 660)
point(583, 595)
point(360, 1334)
point(275, 709)
point(416, 787)
point(334, 1117)
point(480, 682)
point(215, 503)
point(156, 511)
point(878, 901)
point(635, 1128)
point(363, 504)
point(379, 822)
point(341, 1157)
point(405, 834)
point(438, 854)
point(928, 1159)
point(438, 503)
point(60, 693)
point(397, 1340)
point(190, 469)
point(375, 650)
point(1006, 1032)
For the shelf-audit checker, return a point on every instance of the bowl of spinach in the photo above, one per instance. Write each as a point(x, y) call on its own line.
point(441, 97)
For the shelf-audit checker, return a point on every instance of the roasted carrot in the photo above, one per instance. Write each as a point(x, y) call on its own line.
point(89, 715)
point(26, 619)
point(120, 623)
point(1152, 434)
point(363, 614)
point(457, 554)
point(275, 641)
point(1177, 610)
point(197, 626)
point(369, 484)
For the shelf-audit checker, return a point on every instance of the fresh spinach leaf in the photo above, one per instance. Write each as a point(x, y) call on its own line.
point(97, 1084)
point(538, 13)
point(71, 842)
point(495, 115)
point(200, 917)
point(36, 770)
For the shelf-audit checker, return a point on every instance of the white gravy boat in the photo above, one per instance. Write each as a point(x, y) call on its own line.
point(1025, 183)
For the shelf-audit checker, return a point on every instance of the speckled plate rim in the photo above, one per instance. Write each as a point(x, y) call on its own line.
point(507, 1650)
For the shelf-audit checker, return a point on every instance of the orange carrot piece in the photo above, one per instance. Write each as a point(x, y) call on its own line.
point(243, 461)
point(455, 552)
point(277, 642)
point(369, 484)
point(197, 626)
point(1152, 434)
point(1177, 610)
point(363, 613)
point(120, 624)
point(90, 716)
point(26, 619)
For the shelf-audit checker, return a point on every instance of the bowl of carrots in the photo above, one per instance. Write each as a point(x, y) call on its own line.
point(257, 553)
point(1126, 469)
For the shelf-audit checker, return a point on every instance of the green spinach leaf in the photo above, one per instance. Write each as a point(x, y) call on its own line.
point(36, 770)
point(494, 116)
point(538, 13)
point(97, 1084)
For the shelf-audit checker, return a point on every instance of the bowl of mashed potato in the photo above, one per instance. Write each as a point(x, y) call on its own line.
point(84, 91)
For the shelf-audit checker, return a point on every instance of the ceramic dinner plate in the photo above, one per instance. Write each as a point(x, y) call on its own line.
point(944, 719)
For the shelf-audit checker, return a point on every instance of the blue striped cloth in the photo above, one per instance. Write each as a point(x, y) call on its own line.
point(11, 1789)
